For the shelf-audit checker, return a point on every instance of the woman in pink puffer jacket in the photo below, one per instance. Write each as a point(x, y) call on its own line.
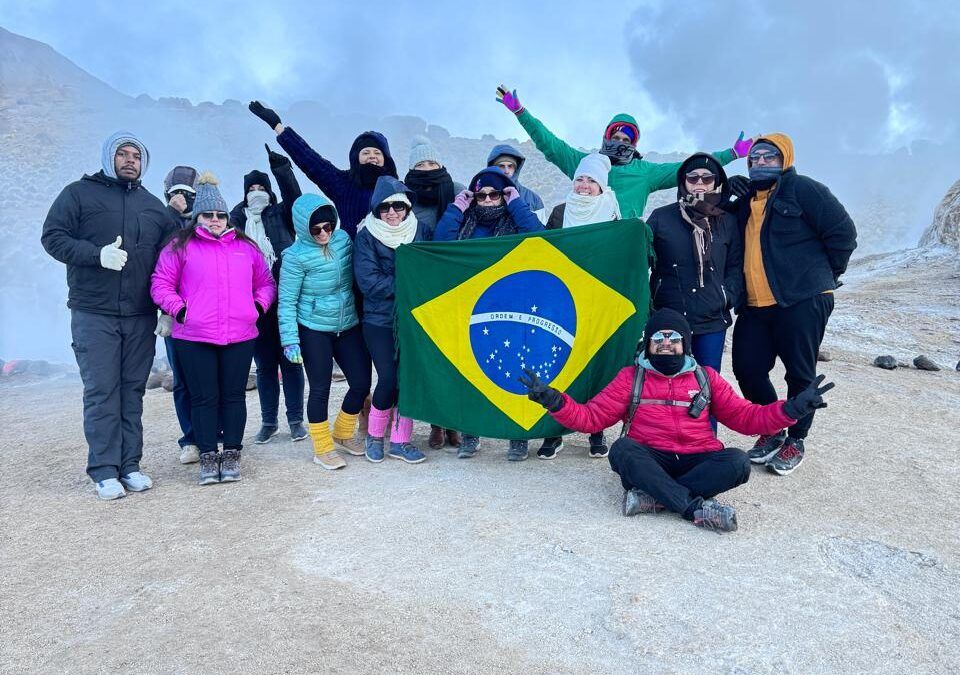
point(215, 282)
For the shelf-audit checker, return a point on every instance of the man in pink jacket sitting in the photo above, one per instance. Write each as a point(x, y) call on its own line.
point(669, 457)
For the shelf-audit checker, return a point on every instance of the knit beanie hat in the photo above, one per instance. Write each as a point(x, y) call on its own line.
point(114, 143)
point(208, 196)
point(491, 177)
point(421, 150)
point(323, 214)
point(180, 178)
point(256, 178)
point(668, 319)
point(596, 166)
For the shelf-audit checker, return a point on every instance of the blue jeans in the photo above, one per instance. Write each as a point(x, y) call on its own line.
point(708, 351)
point(269, 357)
point(181, 397)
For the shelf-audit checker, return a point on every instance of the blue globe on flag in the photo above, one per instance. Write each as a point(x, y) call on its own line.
point(523, 320)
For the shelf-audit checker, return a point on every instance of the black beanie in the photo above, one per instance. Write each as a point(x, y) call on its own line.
point(668, 319)
point(323, 214)
point(256, 178)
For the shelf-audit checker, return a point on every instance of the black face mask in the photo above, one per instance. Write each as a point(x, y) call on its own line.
point(369, 173)
point(667, 364)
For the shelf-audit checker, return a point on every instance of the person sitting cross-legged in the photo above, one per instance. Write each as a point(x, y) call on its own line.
point(669, 457)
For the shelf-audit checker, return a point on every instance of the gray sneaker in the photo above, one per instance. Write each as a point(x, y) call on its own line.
point(189, 454)
point(297, 431)
point(265, 434)
point(468, 447)
point(209, 468)
point(637, 501)
point(713, 515)
point(230, 466)
point(518, 451)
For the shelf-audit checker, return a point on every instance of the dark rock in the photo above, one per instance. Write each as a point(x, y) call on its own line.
point(824, 355)
point(155, 380)
point(167, 381)
point(251, 380)
point(885, 362)
point(958, 366)
point(923, 363)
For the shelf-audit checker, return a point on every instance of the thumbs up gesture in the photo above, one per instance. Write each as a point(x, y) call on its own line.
point(112, 257)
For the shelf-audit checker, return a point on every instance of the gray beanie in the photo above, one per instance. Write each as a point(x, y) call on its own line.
point(421, 149)
point(114, 143)
point(208, 196)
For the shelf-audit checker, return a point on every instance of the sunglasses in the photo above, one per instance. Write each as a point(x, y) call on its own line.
point(213, 215)
point(705, 178)
point(756, 157)
point(491, 196)
point(674, 337)
point(325, 227)
point(398, 207)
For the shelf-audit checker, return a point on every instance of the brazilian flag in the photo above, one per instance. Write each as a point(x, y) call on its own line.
point(471, 315)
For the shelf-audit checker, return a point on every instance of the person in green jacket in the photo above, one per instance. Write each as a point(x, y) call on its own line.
point(631, 177)
point(319, 324)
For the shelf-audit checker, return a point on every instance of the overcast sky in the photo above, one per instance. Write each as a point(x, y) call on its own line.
point(859, 76)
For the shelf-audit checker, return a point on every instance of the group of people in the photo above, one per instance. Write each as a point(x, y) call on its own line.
point(306, 281)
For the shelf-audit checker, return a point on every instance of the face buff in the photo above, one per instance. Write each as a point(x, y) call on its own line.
point(257, 200)
point(618, 151)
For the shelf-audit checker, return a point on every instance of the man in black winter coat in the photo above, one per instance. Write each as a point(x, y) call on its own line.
point(797, 240)
point(108, 230)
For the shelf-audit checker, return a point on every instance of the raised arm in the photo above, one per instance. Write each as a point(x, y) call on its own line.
point(287, 183)
point(564, 156)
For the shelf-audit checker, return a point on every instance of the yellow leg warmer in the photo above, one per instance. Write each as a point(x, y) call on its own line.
point(320, 435)
point(344, 426)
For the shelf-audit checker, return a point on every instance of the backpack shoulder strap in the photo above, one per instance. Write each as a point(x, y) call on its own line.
point(704, 381)
point(639, 373)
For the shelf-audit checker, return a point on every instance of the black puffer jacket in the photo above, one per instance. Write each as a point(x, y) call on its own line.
point(277, 217)
point(674, 281)
point(91, 213)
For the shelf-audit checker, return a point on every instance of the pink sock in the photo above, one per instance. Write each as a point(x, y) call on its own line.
point(402, 430)
point(378, 421)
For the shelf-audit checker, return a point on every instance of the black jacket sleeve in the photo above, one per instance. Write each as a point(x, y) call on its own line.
point(59, 232)
point(833, 224)
point(733, 281)
point(289, 191)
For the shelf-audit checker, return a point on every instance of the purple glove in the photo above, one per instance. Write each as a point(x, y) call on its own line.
point(510, 193)
point(462, 200)
point(742, 147)
point(509, 99)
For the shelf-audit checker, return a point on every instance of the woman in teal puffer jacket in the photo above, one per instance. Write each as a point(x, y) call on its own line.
point(319, 324)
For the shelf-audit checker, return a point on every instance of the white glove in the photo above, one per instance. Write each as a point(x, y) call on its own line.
point(164, 326)
point(112, 257)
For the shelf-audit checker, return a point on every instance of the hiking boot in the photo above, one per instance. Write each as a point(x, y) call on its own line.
point(266, 433)
point(109, 489)
point(437, 438)
point(209, 468)
point(518, 451)
point(297, 431)
point(789, 457)
point(453, 438)
point(637, 501)
point(330, 460)
point(468, 447)
point(230, 466)
point(136, 481)
point(712, 515)
point(374, 449)
point(408, 452)
point(353, 446)
point(598, 446)
point(189, 454)
point(550, 448)
point(765, 448)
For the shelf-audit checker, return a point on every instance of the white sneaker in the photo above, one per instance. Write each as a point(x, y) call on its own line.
point(136, 481)
point(110, 489)
point(189, 454)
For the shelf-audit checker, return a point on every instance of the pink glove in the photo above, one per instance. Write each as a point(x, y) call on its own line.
point(509, 99)
point(510, 193)
point(742, 147)
point(462, 200)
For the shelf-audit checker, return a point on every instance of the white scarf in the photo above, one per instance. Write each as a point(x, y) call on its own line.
point(389, 235)
point(254, 230)
point(587, 209)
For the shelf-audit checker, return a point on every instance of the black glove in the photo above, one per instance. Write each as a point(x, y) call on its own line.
point(740, 186)
point(266, 114)
point(548, 397)
point(182, 314)
point(276, 159)
point(808, 400)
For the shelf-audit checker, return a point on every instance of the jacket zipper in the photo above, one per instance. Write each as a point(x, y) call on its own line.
point(340, 296)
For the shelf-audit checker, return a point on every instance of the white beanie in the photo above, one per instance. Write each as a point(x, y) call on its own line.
point(421, 149)
point(596, 166)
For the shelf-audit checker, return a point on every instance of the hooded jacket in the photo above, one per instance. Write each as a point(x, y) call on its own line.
point(224, 283)
point(91, 213)
point(632, 182)
point(797, 236)
point(374, 264)
point(448, 229)
point(316, 285)
point(674, 280)
point(529, 196)
point(341, 185)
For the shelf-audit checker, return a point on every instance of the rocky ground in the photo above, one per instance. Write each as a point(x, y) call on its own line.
point(849, 565)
